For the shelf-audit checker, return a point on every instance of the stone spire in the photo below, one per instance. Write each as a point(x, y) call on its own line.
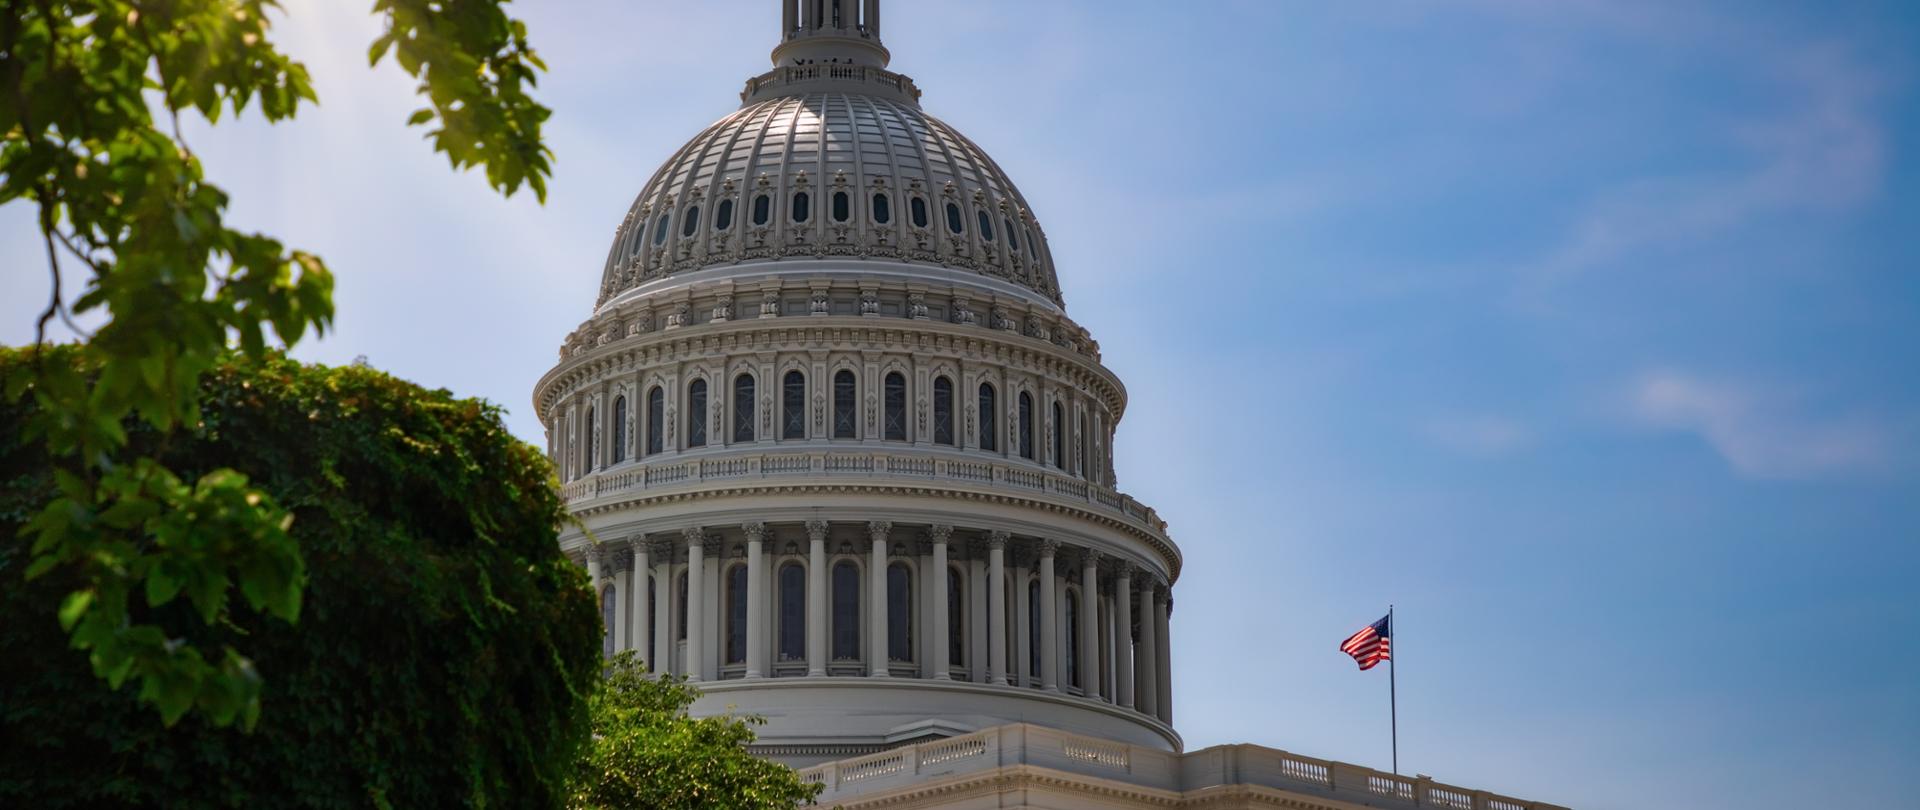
point(830, 32)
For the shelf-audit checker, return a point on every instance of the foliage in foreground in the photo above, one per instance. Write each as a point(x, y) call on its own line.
point(91, 97)
point(647, 753)
point(444, 652)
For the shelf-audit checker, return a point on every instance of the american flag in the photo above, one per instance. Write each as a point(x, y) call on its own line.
point(1372, 644)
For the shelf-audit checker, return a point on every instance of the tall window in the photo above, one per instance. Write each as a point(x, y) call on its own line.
point(882, 209)
point(793, 612)
point(737, 615)
point(607, 618)
point(956, 619)
point(1013, 237)
point(1059, 436)
point(586, 457)
point(896, 390)
point(846, 612)
point(842, 207)
point(1070, 648)
point(793, 403)
point(899, 612)
point(660, 230)
point(989, 418)
point(918, 208)
point(1025, 428)
point(619, 449)
point(697, 414)
point(1086, 448)
point(802, 207)
point(743, 408)
point(986, 226)
point(723, 215)
point(843, 405)
point(691, 224)
point(656, 420)
point(1033, 628)
point(680, 595)
point(762, 209)
point(942, 411)
point(954, 223)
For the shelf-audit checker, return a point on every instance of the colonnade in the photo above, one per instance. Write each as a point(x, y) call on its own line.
point(1015, 611)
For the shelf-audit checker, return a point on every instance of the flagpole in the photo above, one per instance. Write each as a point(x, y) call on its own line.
point(1393, 691)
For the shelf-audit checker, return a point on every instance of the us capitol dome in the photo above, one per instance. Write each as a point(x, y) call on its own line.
point(839, 454)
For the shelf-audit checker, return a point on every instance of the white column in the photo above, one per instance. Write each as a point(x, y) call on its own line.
point(1049, 619)
point(810, 17)
point(696, 577)
point(873, 18)
point(1149, 701)
point(622, 597)
point(877, 659)
point(1022, 628)
point(941, 637)
point(1089, 656)
point(663, 612)
point(637, 587)
point(1123, 629)
point(756, 599)
point(816, 598)
point(997, 607)
point(789, 17)
point(1163, 662)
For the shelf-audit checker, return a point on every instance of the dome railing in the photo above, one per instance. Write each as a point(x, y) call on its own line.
point(808, 74)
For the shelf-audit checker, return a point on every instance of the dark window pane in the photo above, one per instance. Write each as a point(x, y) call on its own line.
point(919, 207)
point(743, 408)
point(882, 209)
point(1070, 649)
point(653, 592)
point(793, 612)
point(842, 207)
point(794, 403)
point(989, 418)
point(899, 612)
point(956, 619)
point(1032, 249)
point(802, 207)
point(1059, 436)
point(953, 219)
point(619, 448)
point(942, 411)
point(682, 599)
point(896, 392)
point(723, 215)
point(692, 224)
point(844, 426)
point(1013, 237)
point(1033, 628)
point(656, 420)
point(737, 615)
point(1025, 428)
point(697, 414)
point(986, 227)
point(762, 209)
point(846, 612)
point(586, 457)
point(660, 230)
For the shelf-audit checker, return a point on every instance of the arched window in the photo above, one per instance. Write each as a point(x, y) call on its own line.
point(697, 414)
point(942, 411)
point(918, 207)
point(954, 223)
point(899, 612)
point(1070, 646)
point(743, 408)
point(986, 226)
point(762, 209)
point(842, 207)
point(607, 618)
point(793, 403)
point(896, 395)
point(1033, 628)
point(956, 619)
point(1013, 237)
point(680, 596)
point(1032, 248)
point(844, 426)
point(802, 207)
point(660, 230)
point(793, 612)
point(736, 615)
point(723, 215)
point(989, 418)
point(656, 420)
point(586, 456)
point(846, 612)
point(692, 224)
point(619, 449)
point(882, 209)
point(1059, 435)
point(1025, 428)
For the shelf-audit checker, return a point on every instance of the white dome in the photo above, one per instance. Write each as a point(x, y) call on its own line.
point(830, 161)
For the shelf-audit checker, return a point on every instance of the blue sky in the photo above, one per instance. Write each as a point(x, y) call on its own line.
point(1586, 332)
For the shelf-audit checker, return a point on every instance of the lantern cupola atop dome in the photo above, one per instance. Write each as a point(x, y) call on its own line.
point(831, 32)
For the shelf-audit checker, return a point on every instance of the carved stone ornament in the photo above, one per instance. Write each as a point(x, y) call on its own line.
point(940, 532)
point(820, 304)
point(770, 304)
point(869, 302)
point(723, 309)
point(693, 537)
point(755, 530)
point(917, 307)
point(998, 540)
point(878, 530)
point(682, 313)
point(1049, 548)
point(963, 311)
point(817, 531)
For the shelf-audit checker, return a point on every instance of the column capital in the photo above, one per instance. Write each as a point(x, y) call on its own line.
point(879, 530)
point(693, 536)
point(1144, 579)
point(817, 530)
point(755, 530)
point(941, 533)
point(998, 540)
point(1049, 548)
point(1090, 558)
point(596, 554)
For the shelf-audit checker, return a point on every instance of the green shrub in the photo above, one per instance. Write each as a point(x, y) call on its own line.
point(444, 652)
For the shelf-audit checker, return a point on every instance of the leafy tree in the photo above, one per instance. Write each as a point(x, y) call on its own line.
point(446, 651)
point(91, 95)
point(647, 753)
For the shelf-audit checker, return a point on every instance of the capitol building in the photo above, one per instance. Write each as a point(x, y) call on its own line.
point(839, 454)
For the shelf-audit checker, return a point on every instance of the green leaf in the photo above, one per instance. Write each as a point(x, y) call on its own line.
point(73, 607)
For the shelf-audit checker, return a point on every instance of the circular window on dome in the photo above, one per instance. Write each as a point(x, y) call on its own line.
point(723, 215)
point(842, 207)
point(882, 209)
point(953, 219)
point(692, 224)
point(802, 207)
point(919, 212)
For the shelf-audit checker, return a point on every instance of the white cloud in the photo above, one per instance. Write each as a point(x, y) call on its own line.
point(1759, 432)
